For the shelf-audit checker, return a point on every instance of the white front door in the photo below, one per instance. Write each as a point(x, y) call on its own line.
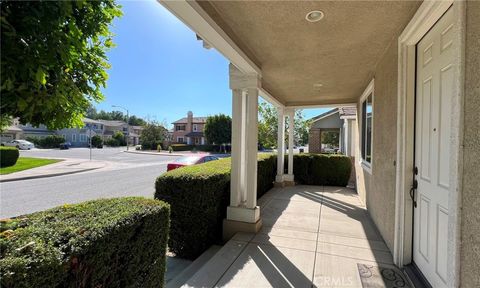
point(434, 93)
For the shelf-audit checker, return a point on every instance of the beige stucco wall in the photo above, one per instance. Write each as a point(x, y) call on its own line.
point(377, 189)
point(470, 222)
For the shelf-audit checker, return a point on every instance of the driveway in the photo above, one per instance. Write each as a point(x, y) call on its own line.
point(134, 175)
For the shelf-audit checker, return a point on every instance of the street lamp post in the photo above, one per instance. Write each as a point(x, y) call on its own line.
point(128, 118)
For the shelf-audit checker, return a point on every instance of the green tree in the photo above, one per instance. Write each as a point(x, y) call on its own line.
point(136, 121)
point(120, 138)
point(331, 138)
point(218, 129)
point(268, 126)
point(53, 59)
point(5, 122)
point(152, 135)
point(302, 127)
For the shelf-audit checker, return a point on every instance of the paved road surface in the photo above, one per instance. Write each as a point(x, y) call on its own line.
point(135, 179)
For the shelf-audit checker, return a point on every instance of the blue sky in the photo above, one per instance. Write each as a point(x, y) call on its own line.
point(160, 71)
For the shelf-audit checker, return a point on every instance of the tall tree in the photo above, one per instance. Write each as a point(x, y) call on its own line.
point(53, 59)
point(218, 129)
point(267, 126)
point(152, 135)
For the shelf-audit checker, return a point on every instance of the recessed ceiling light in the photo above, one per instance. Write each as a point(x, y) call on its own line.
point(317, 86)
point(314, 16)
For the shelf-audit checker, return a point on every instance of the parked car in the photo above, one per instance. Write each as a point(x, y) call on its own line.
point(20, 144)
point(190, 160)
point(65, 145)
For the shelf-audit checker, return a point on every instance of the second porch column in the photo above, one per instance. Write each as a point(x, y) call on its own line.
point(280, 145)
point(243, 214)
point(289, 178)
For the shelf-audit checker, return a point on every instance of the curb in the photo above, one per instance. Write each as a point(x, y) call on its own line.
point(153, 153)
point(47, 175)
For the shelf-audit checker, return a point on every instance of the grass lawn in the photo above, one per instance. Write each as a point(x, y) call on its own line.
point(25, 163)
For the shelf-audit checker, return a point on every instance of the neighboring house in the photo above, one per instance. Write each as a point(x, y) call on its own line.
point(189, 130)
point(40, 132)
point(339, 122)
point(113, 126)
point(13, 132)
point(135, 133)
point(80, 137)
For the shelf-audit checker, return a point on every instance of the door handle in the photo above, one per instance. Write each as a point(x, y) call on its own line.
point(413, 193)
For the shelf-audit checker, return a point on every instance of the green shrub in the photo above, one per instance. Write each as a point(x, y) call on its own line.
point(120, 137)
point(181, 147)
point(266, 172)
point(97, 141)
point(8, 156)
point(198, 196)
point(112, 142)
point(321, 169)
point(104, 243)
point(50, 141)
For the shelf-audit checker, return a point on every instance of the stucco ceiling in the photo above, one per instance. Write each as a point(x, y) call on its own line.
point(340, 51)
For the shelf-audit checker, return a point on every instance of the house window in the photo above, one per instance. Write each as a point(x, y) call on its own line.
point(197, 141)
point(180, 139)
point(74, 137)
point(194, 127)
point(180, 128)
point(367, 126)
point(83, 138)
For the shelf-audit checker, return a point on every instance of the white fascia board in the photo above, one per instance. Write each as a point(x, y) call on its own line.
point(322, 106)
point(269, 98)
point(190, 13)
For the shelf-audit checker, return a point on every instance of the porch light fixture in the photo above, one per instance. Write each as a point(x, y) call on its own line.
point(314, 16)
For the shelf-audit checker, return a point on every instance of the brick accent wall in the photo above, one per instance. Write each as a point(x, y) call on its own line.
point(314, 141)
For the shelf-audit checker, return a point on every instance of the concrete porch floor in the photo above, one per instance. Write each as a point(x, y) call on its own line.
point(312, 236)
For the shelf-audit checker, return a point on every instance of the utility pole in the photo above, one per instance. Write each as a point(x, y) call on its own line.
point(128, 124)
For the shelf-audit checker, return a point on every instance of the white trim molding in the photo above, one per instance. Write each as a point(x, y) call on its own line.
point(370, 90)
point(424, 19)
point(190, 13)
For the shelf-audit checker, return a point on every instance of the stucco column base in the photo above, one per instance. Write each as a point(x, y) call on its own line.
point(241, 219)
point(279, 184)
point(231, 227)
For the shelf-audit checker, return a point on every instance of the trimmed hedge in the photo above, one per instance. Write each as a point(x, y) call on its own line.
point(321, 169)
point(205, 147)
point(199, 196)
point(8, 156)
point(50, 141)
point(117, 242)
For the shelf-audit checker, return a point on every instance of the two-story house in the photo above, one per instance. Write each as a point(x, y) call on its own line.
point(189, 130)
point(80, 137)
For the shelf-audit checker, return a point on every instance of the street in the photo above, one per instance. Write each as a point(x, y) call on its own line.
point(134, 176)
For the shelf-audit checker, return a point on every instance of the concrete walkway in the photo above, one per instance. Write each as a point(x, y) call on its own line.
point(312, 236)
point(64, 167)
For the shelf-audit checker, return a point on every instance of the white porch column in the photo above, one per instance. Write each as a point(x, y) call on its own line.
point(243, 214)
point(289, 178)
point(280, 144)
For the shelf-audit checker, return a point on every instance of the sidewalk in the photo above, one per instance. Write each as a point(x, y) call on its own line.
point(164, 153)
point(65, 167)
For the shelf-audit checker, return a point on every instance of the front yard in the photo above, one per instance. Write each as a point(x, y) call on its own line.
point(24, 163)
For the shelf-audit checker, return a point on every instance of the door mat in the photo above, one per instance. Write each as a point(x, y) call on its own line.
point(381, 276)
